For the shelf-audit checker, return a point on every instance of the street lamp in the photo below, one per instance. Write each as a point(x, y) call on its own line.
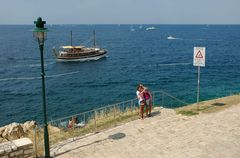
point(40, 34)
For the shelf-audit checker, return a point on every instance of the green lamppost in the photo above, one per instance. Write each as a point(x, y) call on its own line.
point(40, 34)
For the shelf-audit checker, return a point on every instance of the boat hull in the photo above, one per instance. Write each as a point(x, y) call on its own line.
point(82, 59)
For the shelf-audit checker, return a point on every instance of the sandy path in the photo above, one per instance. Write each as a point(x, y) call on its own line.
point(215, 135)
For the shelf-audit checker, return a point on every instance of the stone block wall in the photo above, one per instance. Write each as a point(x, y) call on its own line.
point(20, 148)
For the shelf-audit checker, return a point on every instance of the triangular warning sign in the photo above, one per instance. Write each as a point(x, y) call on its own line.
point(199, 54)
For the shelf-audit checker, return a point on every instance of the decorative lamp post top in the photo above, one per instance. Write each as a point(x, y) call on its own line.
point(39, 32)
point(40, 25)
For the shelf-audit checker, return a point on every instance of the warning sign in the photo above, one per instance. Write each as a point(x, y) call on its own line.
point(199, 56)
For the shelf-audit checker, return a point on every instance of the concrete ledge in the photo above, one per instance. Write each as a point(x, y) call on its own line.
point(22, 142)
point(17, 148)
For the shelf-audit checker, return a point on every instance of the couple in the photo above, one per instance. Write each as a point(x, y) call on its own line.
point(72, 122)
point(144, 100)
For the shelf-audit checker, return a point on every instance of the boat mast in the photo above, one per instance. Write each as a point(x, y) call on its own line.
point(94, 39)
point(71, 37)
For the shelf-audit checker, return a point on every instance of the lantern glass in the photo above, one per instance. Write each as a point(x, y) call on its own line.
point(40, 36)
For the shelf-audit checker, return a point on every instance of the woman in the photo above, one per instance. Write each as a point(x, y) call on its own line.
point(141, 101)
point(148, 99)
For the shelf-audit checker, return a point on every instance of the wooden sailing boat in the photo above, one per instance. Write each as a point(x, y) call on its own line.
point(79, 53)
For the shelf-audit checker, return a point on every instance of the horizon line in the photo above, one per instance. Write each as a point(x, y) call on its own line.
point(135, 24)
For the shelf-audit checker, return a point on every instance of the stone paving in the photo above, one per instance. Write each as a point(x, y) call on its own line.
point(165, 135)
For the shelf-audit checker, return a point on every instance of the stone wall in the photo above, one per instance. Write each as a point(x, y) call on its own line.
point(22, 148)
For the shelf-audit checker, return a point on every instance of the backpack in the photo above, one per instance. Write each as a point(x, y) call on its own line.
point(146, 95)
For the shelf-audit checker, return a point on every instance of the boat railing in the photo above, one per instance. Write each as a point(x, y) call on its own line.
point(55, 52)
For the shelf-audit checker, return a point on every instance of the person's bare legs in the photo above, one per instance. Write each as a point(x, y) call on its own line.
point(150, 108)
point(147, 106)
point(141, 110)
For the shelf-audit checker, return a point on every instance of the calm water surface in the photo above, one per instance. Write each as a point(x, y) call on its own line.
point(133, 56)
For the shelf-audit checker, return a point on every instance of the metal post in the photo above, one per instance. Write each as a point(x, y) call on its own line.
point(153, 102)
point(94, 39)
point(46, 136)
point(84, 116)
point(198, 90)
point(95, 120)
point(114, 111)
point(71, 37)
point(162, 99)
point(35, 142)
point(131, 106)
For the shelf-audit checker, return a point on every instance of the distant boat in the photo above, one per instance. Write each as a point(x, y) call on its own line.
point(171, 38)
point(79, 53)
point(151, 28)
point(132, 30)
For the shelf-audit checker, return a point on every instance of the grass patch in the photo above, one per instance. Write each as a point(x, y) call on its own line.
point(209, 106)
point(187, 112)
point(102, 122)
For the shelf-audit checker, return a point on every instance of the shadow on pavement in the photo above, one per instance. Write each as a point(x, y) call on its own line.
point(115, 136)
point(155, 113)
point(218, 104)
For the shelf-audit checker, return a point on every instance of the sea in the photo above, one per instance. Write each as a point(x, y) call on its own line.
point(134, 56)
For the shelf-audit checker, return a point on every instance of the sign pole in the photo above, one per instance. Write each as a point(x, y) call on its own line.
point(199, 60)
point(198, 90)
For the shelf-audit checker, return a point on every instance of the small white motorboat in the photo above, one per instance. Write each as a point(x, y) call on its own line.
point(151, 28)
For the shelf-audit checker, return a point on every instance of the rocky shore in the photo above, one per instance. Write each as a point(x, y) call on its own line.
point(16, 130)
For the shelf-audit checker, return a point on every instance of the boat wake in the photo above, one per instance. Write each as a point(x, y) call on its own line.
point(165, 65)
point(173, 64)
point(173, 38)
point(39, 65)
point(188, 39)
point(34, 78)
point(32, 65)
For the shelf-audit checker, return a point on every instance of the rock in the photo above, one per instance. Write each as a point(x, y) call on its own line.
point(29, 125)
point(12, 131)
point(16, 130)
point(5, 132)
point(2, 129)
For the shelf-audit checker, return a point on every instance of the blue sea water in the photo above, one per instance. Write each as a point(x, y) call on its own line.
point(134, 57)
